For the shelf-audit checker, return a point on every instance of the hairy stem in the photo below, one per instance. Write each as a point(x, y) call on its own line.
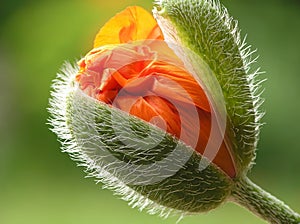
point(262, 203)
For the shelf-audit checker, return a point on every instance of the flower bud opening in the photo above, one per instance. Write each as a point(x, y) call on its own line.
point(133, 69)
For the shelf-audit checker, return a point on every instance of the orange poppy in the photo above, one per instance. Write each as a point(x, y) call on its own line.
point(132, 68)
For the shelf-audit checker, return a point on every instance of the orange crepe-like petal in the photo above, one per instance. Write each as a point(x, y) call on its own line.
point(134, 79)
point(132, 62)
point(132, 24)
point(153, 109)
point(146, 79)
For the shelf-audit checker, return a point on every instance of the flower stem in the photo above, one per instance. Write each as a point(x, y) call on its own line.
point(263, 204)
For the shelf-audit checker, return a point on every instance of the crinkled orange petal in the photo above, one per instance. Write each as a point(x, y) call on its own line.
point(136, 65)
point(168, 75)
point(149, 81)
point(132, 24)
point(158, 111)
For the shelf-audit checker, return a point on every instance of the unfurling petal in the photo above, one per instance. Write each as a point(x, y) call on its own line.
point(147, 80)
point(132, 24)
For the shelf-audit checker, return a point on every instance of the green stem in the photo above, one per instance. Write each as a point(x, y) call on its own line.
point(263, 204)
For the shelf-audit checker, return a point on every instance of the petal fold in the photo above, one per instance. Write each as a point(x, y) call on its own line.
point(132, 24)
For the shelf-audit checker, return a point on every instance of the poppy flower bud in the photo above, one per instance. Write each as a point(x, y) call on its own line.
point(164, 111)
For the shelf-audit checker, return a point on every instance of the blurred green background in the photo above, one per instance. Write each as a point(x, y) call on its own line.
point(41, 185)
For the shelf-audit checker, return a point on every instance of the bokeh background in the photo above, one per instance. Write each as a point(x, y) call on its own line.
point(41, 185)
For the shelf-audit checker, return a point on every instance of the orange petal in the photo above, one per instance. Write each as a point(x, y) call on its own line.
point(132, 24)
point(159, 112)
point(150, 82)
point(183, 85)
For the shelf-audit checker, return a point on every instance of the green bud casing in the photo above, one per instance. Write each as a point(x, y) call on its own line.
point(205, 28)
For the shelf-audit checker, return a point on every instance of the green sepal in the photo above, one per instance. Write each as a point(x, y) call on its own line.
point(168, 173)
point(211, 47)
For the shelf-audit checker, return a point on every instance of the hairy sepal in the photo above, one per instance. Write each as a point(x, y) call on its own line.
point(205, 28)
point(166, 178)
